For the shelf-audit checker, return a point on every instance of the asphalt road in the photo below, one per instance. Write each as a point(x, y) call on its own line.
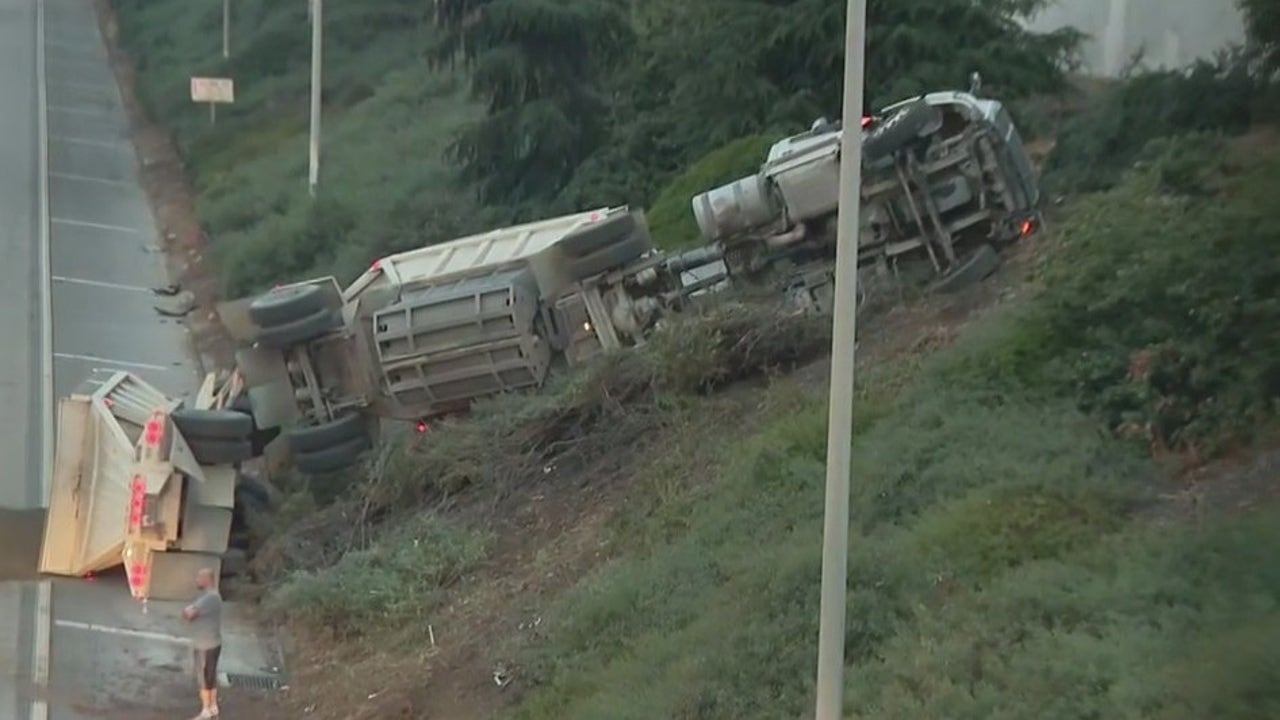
point(20, 377)
point(106, 659)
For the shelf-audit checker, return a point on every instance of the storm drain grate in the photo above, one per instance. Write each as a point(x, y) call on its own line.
point(254, 682)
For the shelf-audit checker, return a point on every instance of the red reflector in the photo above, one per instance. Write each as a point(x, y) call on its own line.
point(866, 121)
point(422, 426)
point(154, 432)
point(377, 265)
point(595, 217)
point(1028, 227)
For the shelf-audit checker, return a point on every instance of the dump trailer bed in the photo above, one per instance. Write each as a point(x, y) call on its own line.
point(128, 489)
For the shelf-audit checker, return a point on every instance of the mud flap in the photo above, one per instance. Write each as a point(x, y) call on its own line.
point(270, 393)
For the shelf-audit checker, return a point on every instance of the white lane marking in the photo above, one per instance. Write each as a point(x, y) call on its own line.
point(109, 144)
point(99, 283)
point(86, 178)
point(123, 632)
point(94, 225)
point(84, 85)
point(44, 591)
point(108, 361)
point(92, 112)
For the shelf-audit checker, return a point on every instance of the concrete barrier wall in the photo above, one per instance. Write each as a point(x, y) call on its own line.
point(1173, 33)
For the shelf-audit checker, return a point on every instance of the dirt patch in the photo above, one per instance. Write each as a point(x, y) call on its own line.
point(1248, 481)
point(21, 532)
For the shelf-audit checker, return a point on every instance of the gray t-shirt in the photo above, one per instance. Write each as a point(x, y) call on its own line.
point(206, 626)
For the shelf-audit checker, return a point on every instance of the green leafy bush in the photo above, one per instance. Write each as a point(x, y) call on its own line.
point(399, 578)
point(1095, 148)
point(1158, 310)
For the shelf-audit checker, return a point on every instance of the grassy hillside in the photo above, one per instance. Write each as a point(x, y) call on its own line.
point(1017, 552)
point(1006, 563)
point(387, 119)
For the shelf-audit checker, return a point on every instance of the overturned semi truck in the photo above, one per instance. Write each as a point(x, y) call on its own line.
point(426, 332)
point(155, 484)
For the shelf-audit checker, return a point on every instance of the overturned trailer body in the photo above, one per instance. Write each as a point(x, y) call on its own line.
point(143, 481)
point(426, 332)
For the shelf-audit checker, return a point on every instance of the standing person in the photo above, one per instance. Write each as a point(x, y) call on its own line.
point(205, 616)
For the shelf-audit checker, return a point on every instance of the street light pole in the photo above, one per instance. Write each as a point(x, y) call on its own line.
point(835, 531)
point(317, 26)
point(226, 29)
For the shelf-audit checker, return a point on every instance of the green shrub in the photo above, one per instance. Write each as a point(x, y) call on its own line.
point(1158, 310)
point(1095, 148)
point(671, 216)
point(400, 578)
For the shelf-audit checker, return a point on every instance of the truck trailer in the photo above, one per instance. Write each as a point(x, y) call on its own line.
point(424, 333)
point(146, 481)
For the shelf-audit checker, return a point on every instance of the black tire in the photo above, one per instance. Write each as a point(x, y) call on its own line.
point(332, 458)
point(976, 268)
point(595, 237)
point(220, 452)
point(235, 562)
point(252, 493)
point(242, 404)
point(212, 424)
point(898, 130)
point(319, 323)
point(286, 305)
point(318, 437)
point(609, 257)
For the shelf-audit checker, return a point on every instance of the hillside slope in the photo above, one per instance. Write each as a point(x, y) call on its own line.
point(1037, 535)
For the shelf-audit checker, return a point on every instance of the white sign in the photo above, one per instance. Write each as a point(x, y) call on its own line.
point(212, 90)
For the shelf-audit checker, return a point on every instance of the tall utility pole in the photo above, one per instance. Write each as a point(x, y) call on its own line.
point(226, 29)
point(317, 26)
point(835, 531)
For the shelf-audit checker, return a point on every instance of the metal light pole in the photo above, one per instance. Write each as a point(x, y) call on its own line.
point(226, 29)
point(835, 531)
point(317, 25)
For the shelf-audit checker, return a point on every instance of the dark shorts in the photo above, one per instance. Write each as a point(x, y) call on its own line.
point(207, 667)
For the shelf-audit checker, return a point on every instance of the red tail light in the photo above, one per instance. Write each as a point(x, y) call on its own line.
point(154, 432)
point(137, 500)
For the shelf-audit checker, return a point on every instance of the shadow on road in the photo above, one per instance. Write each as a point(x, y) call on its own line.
point(20, 534)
